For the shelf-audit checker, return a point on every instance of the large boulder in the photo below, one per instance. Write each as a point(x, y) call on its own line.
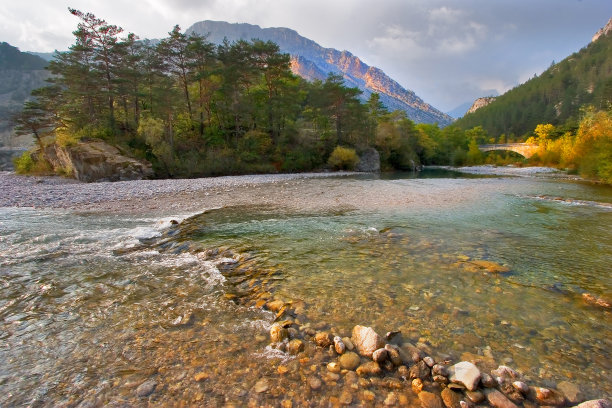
point(96, 160)
point(369, 161)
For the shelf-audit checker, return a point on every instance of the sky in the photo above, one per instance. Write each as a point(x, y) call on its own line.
point(448, 52)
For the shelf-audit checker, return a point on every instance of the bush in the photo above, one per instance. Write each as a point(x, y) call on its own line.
point(343, 158)
point(24, 163)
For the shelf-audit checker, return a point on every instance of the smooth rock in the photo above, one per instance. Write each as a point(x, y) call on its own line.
point(488, 381)
point(278, 333)
point(600, 403)
point(505, 372)
point(369, 368)
point(323, 339)
point(571, 392)
point(521, 386)
point(379, 355)
point(348, 343)
point(475, 396)
point(314, 382)
point(346, 397)
point(146, 388)
point(275, 305)
point(391, 399)
point(429, 361)
point(201, 376)
point(339, 345)
point(451, 398)
point(393, 354)
point(295, 346)
point(465, 373)
point(349, 360)
point(261, 386)
point(430, 400)
point(419, 370)
point(498, 400)
point(334, 367)
point(440, 379)
point(366, 340)
point(440, 369)
point(410, 354)
point(545, 396)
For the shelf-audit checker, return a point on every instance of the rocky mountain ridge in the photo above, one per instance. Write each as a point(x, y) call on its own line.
point(603, 31)
point(479, 103)
point(312, 61)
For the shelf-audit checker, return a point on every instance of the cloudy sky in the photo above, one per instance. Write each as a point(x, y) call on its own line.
point(447, 51)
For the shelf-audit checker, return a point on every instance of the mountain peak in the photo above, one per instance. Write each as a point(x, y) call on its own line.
point(603, 31)
point(312, 61)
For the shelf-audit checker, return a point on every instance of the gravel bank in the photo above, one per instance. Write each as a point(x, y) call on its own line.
point(56, 192)
point(510, 170)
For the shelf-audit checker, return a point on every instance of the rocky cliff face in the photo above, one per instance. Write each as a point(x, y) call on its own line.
point(311, 61)
point(95, 160)
point(480, 102)
point(603, 31)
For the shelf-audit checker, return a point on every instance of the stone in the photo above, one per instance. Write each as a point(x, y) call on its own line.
point(440, 369)
point(281, 369)
point(410, 354)
point(366, 340)
point(323, 339)
point(429, 361)
point(417, 385)
point(403, 371)
point(348, 343)
point(368, 395)
point(475, 396)
point(275, 305)
point(419, 370)
point(451, 398)
point(201, 376)
point(261, 386)
point(393, 354)
point(391, 399)
point(392, 383)
point(146, 388)
point(504, 372)
point(346, 397)
point(96, 160)
point(278, 333)
point(349, 360)
point(440, 379)
point(369, 368)
point(339, 345)
point(489, 266)
point(600, 403)
point(369, 161)
point(521, 387)
point(488, 381)
point(572, 393)
point(295, 346)
point(465, 373)
point(314, 382)
point(334, 367)
point(430, 400)
point(545, 396)
point(498, 400)
point(379, 355)
point(287, 404)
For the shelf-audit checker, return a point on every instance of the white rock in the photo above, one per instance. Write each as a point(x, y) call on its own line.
point(467, 374)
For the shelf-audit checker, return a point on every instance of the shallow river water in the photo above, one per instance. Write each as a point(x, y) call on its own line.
point(102, 309)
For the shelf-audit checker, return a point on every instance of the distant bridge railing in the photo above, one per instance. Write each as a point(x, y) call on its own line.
point(524, 149)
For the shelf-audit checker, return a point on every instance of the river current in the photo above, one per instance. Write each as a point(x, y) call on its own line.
point(94, 305)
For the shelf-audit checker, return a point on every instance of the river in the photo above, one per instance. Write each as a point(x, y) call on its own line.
point(94, 304)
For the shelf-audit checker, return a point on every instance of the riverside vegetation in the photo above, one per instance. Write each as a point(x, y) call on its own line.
point(195, 109)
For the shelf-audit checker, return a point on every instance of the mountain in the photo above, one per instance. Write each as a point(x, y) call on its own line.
point(556, 96)
point(312, 61)
point(20, 73)
point(460, 110)
point(480, 103)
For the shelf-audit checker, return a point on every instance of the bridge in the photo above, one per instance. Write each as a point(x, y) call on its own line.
point(524, 149)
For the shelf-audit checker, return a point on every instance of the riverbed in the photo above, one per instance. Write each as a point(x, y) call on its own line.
point(107, 287)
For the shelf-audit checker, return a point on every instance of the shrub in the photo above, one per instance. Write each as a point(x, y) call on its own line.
point(24, 163)
point(343, 158)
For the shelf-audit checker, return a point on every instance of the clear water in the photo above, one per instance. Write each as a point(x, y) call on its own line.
point(93, 305)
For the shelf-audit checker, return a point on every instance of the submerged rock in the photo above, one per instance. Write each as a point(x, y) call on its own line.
point(339, 345)
point(323, 339)
point(295, 346)
point(451, 398)
point(499, 400)
point(146, 388)
point(349, 360)
point(278, 333)
point(600, 403)
point(380, 355)
point(571, 392)
point(369, 368)
point(430, 400)
point(366, 340)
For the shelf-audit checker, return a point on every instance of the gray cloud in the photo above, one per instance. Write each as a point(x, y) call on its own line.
point(447, 51)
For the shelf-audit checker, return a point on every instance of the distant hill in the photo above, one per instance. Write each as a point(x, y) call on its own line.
point(460, 110)
point(20, 73)
point(47, 56)
point(311, 61)
point(556, 96)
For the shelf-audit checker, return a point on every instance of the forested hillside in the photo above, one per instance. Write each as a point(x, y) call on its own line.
point(555, 97)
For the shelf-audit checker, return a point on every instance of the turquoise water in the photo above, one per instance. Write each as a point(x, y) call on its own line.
point(92, 305)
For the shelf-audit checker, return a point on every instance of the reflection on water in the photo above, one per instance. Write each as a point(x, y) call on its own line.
point(93, 306)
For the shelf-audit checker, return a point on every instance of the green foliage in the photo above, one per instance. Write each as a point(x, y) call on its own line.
point(555, 97)
point(343, 158)
point(24, 163)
